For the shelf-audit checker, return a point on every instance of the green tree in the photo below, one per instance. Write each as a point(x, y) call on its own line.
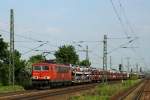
point(3, 49)
point(66, 54)
point(20, 66)
point(36, 58)
point(3, 62)
point(85, 63)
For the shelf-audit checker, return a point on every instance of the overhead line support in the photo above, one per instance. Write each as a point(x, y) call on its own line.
point(11, 57)
point(105, 59)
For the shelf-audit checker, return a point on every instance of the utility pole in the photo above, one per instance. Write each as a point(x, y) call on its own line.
point(140, 69)
point(137, 68)
point(87, 53)
point(110, 62)
point(122, 63)
point(11, 62)
point(131, 70)
point(128, 63)
point(105, 59)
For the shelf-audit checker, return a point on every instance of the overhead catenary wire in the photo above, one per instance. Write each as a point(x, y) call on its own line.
point(118, 38)
point(35, 40)
point(120, 46)
point(120, 19)
point(139, 55)
point(34, 48)
point(29, 38)
point(126, 18)
point(127, 22)
point(41, 41)
point(86, 41)
point(122, 24)
point(131, 29)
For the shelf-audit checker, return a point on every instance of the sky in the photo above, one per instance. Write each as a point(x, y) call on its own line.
point(69, 21)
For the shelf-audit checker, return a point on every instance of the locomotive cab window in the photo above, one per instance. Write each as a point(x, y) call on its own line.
point(45, 68)
point(40, 68)
point(37, 68)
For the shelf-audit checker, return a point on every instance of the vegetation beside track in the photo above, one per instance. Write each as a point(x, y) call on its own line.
point(105, 91)
point(6, 89)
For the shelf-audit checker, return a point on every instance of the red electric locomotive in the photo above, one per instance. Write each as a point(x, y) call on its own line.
point(45, 74)
point(49, 74)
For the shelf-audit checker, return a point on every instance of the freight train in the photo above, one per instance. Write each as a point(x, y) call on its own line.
point(49, 74)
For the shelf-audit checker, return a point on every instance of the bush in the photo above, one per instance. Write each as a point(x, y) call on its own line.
point(24, 79)
point(105, 91)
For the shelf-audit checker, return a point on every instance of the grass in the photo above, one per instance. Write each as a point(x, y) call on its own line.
point(105, 91)
point(6, 89)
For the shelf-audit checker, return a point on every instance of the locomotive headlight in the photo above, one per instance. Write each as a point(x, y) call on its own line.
point(46, 77)
point(35, 77)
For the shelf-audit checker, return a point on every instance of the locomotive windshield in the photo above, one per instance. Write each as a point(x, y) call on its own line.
point(36, 67)
point(45, 68)
point(40, 68)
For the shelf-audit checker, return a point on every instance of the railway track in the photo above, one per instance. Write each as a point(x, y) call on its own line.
point(140, 91)
point(40, 94)
point(123, 95)
point(33, 95)
point(144, 91)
